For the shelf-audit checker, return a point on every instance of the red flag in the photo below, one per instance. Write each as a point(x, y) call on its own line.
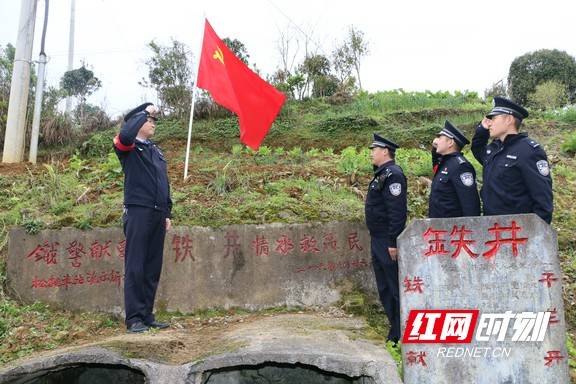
point(236, 87)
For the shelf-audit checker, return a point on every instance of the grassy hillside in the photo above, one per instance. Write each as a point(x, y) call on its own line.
point(313, 166)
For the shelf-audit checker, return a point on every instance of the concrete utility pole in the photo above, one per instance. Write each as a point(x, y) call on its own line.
point(16, 122)
point(71, 49)
point(39, 92)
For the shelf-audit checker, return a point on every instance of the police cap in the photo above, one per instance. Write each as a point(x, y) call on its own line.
point(381, 142)
point(454, 133)
point(139, 108)
point(508, 107)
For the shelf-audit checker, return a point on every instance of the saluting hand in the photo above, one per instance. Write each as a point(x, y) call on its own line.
point(152, 110)
point(393, 253)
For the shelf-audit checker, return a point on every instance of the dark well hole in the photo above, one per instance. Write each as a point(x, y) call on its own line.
point(279, 373)
point(84, 374)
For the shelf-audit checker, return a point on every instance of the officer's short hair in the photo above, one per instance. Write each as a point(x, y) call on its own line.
point(517, 122)
point(391, 153)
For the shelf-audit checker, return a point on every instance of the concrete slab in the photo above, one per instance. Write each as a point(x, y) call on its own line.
point(247, 266)
point(503, 272)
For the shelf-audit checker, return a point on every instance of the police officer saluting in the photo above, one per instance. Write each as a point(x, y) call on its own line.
point(516, 172)
point(147, 207)
point(386, 211)
point(454, 192)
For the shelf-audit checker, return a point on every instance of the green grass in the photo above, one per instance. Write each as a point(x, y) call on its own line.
point(28, 328)
point(566, 115)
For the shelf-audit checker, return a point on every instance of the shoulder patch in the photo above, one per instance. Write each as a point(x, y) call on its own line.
point(395, 189)
point(467, 178)
point(543, 167)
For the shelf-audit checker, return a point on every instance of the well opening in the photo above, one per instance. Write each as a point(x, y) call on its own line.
point(83, 374)
point(279, 373)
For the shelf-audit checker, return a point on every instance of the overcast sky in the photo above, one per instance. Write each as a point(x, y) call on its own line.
point(414, 45)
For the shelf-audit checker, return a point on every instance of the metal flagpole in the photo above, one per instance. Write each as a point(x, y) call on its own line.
point(190, 128)
point(192, 106)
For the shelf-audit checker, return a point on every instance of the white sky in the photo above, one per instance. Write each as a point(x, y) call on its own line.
point(414, 44)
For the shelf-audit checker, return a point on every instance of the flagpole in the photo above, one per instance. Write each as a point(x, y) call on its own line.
point(192, 107)
point(190, 128)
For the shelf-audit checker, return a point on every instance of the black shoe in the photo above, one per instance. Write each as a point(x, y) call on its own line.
point(158, 325)
point(138, 327)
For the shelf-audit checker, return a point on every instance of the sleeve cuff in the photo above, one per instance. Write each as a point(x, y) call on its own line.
point(118, 144)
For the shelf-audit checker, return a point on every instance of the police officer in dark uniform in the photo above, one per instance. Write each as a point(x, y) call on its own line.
point(454, 192)
point(386, 211)
point(516, 173)
point(147, 207)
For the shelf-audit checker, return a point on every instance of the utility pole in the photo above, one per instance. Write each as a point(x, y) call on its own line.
point(16, 121)
point(71, 49)
point(39, 92)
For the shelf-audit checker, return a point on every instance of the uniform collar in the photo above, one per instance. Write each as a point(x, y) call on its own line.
point(453, 154)
point(145, 142)
point(383, 167)
point(512, 138)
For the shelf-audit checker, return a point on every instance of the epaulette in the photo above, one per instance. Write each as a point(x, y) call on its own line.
point(532, 143)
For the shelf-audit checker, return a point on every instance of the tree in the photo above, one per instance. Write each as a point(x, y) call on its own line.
point(529, 70)
point(170, 75)
point(325, 85)
point(238, 48)
point(288, 46)
point(81, 83)
point(343, 62)
point(314, 68)
point(496, 89)
point(357, 49)
point(549, 95)
point(6, 65)
point(297, 85)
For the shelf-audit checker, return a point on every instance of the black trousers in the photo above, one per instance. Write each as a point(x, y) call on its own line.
point(386, 271)
point(145, 230)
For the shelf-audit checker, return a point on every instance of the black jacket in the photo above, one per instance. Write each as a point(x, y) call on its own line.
point(516, 175)
point(454, 192)
point(145, 171)
point(386, 203)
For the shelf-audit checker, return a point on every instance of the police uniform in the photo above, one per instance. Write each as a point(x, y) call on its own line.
point(147, 204)
point(454, 192)
point(386, 212)
point(516, 173)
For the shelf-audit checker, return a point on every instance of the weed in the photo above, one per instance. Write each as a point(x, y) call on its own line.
point(33, 226)
point(297, 156)
point(569, 145)
point(237, 150)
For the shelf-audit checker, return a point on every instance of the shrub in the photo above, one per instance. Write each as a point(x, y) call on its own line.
point(569, 146)
point(549, 95)
point(57, 130)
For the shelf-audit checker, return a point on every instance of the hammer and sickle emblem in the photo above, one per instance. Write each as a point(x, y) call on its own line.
point(218, 55)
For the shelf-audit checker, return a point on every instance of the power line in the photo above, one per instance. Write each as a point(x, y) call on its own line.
point(105, 52)
point(318, 46)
